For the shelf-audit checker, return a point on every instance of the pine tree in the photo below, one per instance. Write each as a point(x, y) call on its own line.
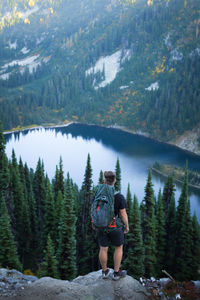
point(33, 220)
point(8, 250)
point(49, 213)
point(16, 193)
point(49, 266)
point(168, 192)
point(189, 241)
point(170, 264)
point(59, 179)
point(2, 144)
point(4, 171)
point(134, 261)
point(40, 196)
point(58, 210)
point(67, 242)
point(183, 234)
point(87, 255)
point(86, 196)
point(22, 178)
point(118, 176)
point(21, 214)
point(149, 229)
point(26, 237)
point(195, 265)
point(101, 177)
point(129, 202)
point(160, 236)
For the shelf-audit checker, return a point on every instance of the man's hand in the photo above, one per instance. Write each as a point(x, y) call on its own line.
point(93, 227)
point(125, 220)
point(126, 229)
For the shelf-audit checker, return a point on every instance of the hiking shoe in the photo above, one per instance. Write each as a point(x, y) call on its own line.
point(105, 274)
point(119, 274)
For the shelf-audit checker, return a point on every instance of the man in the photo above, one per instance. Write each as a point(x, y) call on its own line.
point(114, 236)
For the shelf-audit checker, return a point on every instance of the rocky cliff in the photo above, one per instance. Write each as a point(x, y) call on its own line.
point(189, 140)
point(15, 285)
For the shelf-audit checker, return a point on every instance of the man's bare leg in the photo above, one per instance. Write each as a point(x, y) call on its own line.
point(103, 257)
point(118, 257)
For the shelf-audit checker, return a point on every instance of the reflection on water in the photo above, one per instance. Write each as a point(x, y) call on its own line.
point(74, 142)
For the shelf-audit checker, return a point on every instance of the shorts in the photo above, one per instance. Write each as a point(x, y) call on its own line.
point(114, 237)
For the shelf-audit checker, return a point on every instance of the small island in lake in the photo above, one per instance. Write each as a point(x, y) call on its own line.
point(178, 173)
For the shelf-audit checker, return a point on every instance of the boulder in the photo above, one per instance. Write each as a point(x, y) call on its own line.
point(88, 287)
point(11, 281)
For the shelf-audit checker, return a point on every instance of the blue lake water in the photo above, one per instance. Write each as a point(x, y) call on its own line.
point(105, 145)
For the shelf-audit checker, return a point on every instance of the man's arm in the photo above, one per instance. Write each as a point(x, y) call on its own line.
point(124, 218)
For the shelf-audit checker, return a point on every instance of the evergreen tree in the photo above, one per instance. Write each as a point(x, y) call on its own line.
point(8, 250)
point(67, 242)
point(86, 196)
point(134, 261)
point(149, 229)
point(75, 192)
point(183, 234)
point(22, 178)
point(168, 192)
point(33, 220)
point(189, 241)
point(101, 177)
point(2, 145)
point(4, 171)
point(21, 214)
point(58, 210)
point(195, 266)
point(87, 246)
point(4, 174)
point(26, 237)
point(59, 179)
point(49, 266)
point(170, 229)
point(129, 202)
point(49, 213)
point(160, 236)
point(16, 193)
point(39, 190)
point(118, 176)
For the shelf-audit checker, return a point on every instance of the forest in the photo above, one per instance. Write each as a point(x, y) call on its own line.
point(178, 173)
point(163, 41)
point(45, 226)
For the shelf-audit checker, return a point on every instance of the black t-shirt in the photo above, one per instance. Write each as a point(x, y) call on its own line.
point(120, 203)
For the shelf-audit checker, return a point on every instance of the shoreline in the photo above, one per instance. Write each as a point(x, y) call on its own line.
point(118, 127)
point(38, 127)
point(175, 179)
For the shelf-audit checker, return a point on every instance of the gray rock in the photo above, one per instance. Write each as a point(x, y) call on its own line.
point(11, 281)
point(29, 278)
point(88, 287)
point(3, 272)
point(196, 283)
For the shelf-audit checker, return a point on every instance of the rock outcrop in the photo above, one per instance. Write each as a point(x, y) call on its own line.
point(189, 140)
point(11, 281)
point(88, 287)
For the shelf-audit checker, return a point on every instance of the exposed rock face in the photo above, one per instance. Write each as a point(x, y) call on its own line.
point(189, 141)
point(88, 287)
point(11, 281)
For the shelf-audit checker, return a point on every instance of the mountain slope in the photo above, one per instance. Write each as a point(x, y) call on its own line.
point(105, 63)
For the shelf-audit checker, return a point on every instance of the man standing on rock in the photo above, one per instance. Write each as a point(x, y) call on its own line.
point(114, 234)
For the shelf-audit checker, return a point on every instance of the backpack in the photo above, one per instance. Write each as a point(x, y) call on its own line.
point(102, 210)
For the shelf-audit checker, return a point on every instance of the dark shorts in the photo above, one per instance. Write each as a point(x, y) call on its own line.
point(114, 237)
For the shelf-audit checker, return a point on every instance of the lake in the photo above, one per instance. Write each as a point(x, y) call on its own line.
point(73, 143)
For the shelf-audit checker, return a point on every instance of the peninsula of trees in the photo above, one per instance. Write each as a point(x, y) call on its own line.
point(178, 173)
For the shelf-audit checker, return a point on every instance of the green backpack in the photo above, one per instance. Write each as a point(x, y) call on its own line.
point(102, 210)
